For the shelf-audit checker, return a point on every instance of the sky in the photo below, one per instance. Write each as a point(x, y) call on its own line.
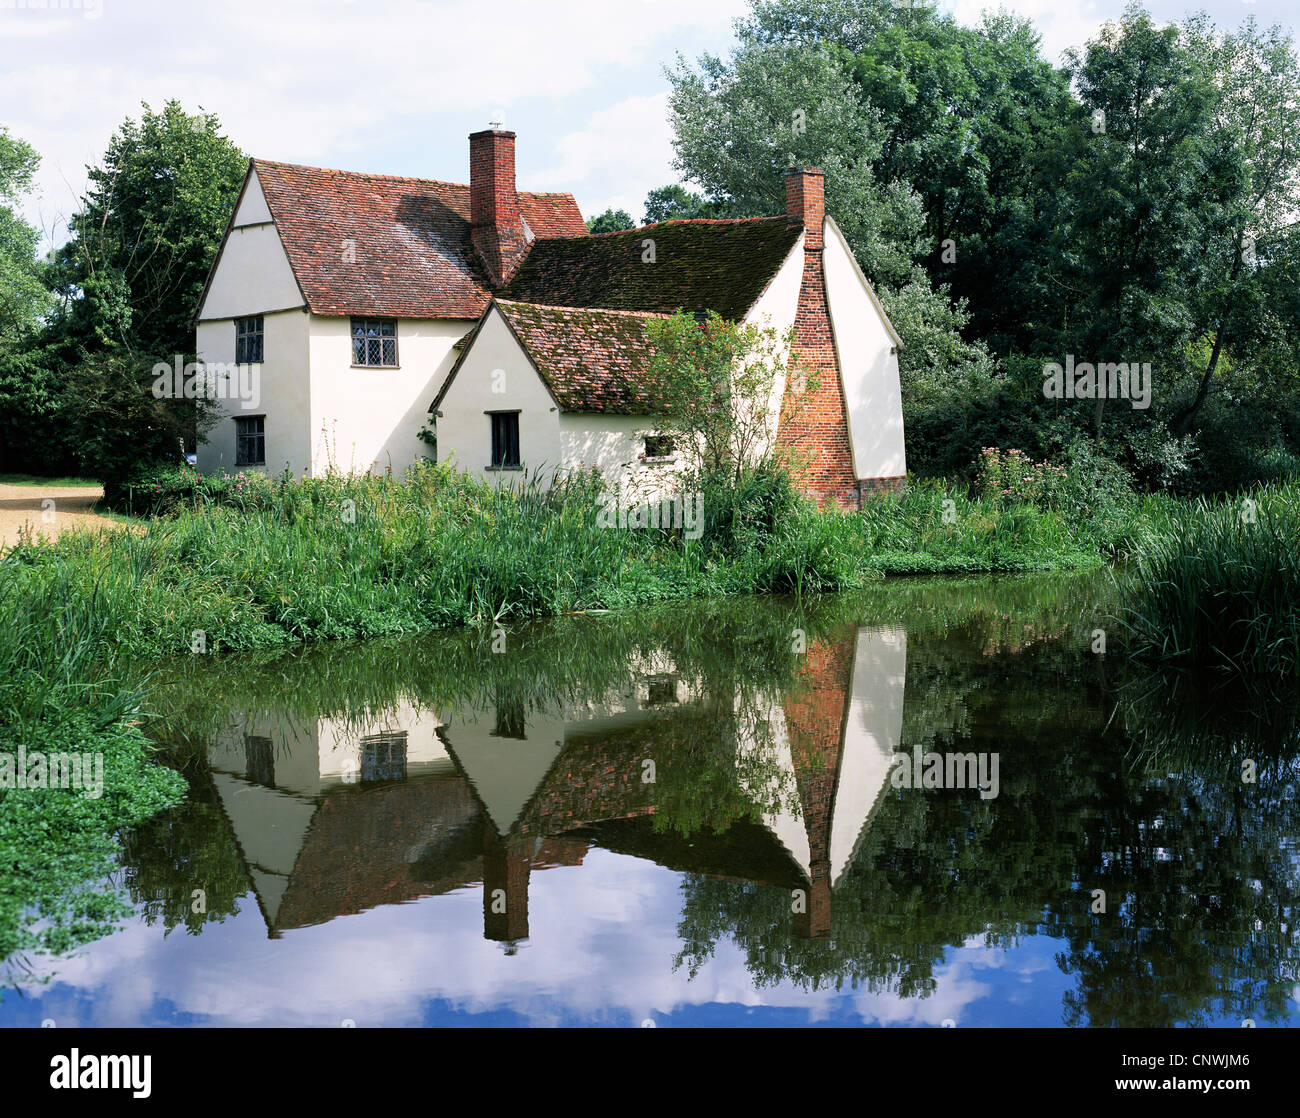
point(396, 86)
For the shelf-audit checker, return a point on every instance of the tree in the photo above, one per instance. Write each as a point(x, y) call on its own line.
point(611, 221)
point(23, 296)
point(130, 278)
point(716, 383)
point(29, 392)
point(674, 203)
point(739, 125)
point(1254, 85)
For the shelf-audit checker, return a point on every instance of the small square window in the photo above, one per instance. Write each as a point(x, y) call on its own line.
point(662, 689)
point(383, 757)
point(248, 340)
point(660, 446)
point(374, 342)
point(250, 440)
point(505, 439)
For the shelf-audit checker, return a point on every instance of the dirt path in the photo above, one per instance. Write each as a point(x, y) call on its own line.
point(72, 509)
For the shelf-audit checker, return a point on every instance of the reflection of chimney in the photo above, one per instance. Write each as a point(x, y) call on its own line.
point(495, 225)
point(815, 923)
point(506, 866)
point(815, 718)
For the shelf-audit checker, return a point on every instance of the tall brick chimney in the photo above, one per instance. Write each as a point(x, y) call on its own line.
point(495, 225)
point(805, 201)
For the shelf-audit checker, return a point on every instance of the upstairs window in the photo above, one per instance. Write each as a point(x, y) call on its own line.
point(374, 342)
point(505, 439)
point(250, 440)
point(248, 340)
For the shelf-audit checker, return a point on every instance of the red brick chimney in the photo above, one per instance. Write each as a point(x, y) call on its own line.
point(805, 202)
point(495, 225)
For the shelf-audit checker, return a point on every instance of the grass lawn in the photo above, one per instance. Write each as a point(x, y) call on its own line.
point(51, 482)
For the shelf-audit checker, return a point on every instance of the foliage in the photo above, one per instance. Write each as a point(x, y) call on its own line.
point(611, 221)
point(716, 382)
point(1220, 585)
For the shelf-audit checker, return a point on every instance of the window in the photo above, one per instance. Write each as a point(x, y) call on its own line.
point(374, 342)
point(510, 719)
point(248, 340)
point(661, 689)
point(250, 440)
point(659, 446)
point(383, 757)
point(505, 439)
point(259, 760)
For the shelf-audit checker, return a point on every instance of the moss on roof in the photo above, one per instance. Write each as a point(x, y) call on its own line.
point(697, 266)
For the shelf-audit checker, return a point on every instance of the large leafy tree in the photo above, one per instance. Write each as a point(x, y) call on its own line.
point(28, 391)
point(148, 229)
point(740, 123)
point(130, 278)
point(611, 221)
point(1253, 187)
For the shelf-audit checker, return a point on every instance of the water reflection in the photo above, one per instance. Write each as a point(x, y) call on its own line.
point(748, 749)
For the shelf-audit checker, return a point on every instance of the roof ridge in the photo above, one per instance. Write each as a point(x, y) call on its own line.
point(395, 178)
point(587, 310)
point(689, 221)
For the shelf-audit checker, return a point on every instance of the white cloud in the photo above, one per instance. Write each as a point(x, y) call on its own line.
point(370, 86)
point(621, 154)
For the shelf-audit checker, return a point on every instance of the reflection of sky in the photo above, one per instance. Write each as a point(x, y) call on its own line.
point(604, 936)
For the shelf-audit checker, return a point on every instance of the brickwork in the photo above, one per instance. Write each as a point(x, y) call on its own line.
point(814, 718)
point(813, 424)
point(496, 228)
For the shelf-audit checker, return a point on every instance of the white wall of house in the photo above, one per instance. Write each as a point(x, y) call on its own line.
point(253, 275)
point(283, 386)
point(776, 309)
point(868, 364)
point(369, 419)
point(464, 429)
point(615, 445)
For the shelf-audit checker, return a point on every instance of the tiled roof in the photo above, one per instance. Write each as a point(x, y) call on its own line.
point(593, 360)
point(699, 265)
point(413, 257)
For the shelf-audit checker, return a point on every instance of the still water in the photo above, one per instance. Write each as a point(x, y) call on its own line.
point(928, 804)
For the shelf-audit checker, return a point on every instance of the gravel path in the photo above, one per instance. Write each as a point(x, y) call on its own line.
point(72, 508)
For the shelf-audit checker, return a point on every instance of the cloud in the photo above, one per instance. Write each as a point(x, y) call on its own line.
point(389, 85)
point(628, 143)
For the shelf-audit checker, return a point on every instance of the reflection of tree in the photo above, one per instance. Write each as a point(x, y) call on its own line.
point(189, 847)
point(1103, 785)
point(1199, 869)
point(1199, 866)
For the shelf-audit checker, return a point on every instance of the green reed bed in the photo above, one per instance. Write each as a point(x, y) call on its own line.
point(273, 562)
point(61, 693)
point(1219, 584)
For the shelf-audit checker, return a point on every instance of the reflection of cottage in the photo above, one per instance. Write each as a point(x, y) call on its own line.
point(364, 306)
point(334, 818)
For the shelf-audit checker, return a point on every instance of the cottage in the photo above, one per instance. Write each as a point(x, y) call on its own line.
point(384, 315)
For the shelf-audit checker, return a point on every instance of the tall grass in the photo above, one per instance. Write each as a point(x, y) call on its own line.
point(1217, 583)
point(276, 562)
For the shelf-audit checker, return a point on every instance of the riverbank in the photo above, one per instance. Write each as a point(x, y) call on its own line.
point(248, 563)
